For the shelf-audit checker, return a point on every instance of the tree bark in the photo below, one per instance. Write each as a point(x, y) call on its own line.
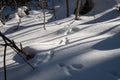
point(77, 10)
point(54, 11)
point(4, 59)
point(67, 8)
point(44, 18)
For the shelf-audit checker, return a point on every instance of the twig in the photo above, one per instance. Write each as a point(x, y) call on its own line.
point(4, 59)
point(15, 48)
point(23, 58)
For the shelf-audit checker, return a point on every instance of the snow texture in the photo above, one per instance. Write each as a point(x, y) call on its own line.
point(87, 49)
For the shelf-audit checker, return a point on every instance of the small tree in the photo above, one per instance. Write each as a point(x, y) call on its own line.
point(54, 10)
point(43, 5)
point(44, 18)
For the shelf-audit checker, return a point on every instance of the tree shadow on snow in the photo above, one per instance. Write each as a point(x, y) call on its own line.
point(18, 59)
point(106, 17)
point(109, 43)
point(105, 70)
point(14, 28)
point(94, 72)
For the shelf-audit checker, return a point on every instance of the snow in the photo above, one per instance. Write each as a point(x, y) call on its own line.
point(87, 49)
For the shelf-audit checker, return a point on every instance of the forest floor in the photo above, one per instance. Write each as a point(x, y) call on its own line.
point(85, 49)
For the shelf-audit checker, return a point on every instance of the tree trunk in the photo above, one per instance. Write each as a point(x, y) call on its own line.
point(54, 11)
point(44, 18)
point(77, 10)
point(67, 7)
point(4, 60)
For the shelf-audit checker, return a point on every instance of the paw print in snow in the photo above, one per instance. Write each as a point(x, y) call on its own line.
point(43, 58)
point(68, 69)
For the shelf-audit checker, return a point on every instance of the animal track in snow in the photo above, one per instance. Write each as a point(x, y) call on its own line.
point(43, 57)
point(69, 31)
point(49, 56)
point(76, 67)
point(68, 69)
point(64, 41)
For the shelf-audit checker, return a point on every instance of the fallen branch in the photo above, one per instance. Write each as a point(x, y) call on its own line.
point(12, 44)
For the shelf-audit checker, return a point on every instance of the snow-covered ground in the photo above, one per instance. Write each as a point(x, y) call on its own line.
point(87, 49)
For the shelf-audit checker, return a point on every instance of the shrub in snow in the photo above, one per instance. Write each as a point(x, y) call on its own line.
point(23, 11)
